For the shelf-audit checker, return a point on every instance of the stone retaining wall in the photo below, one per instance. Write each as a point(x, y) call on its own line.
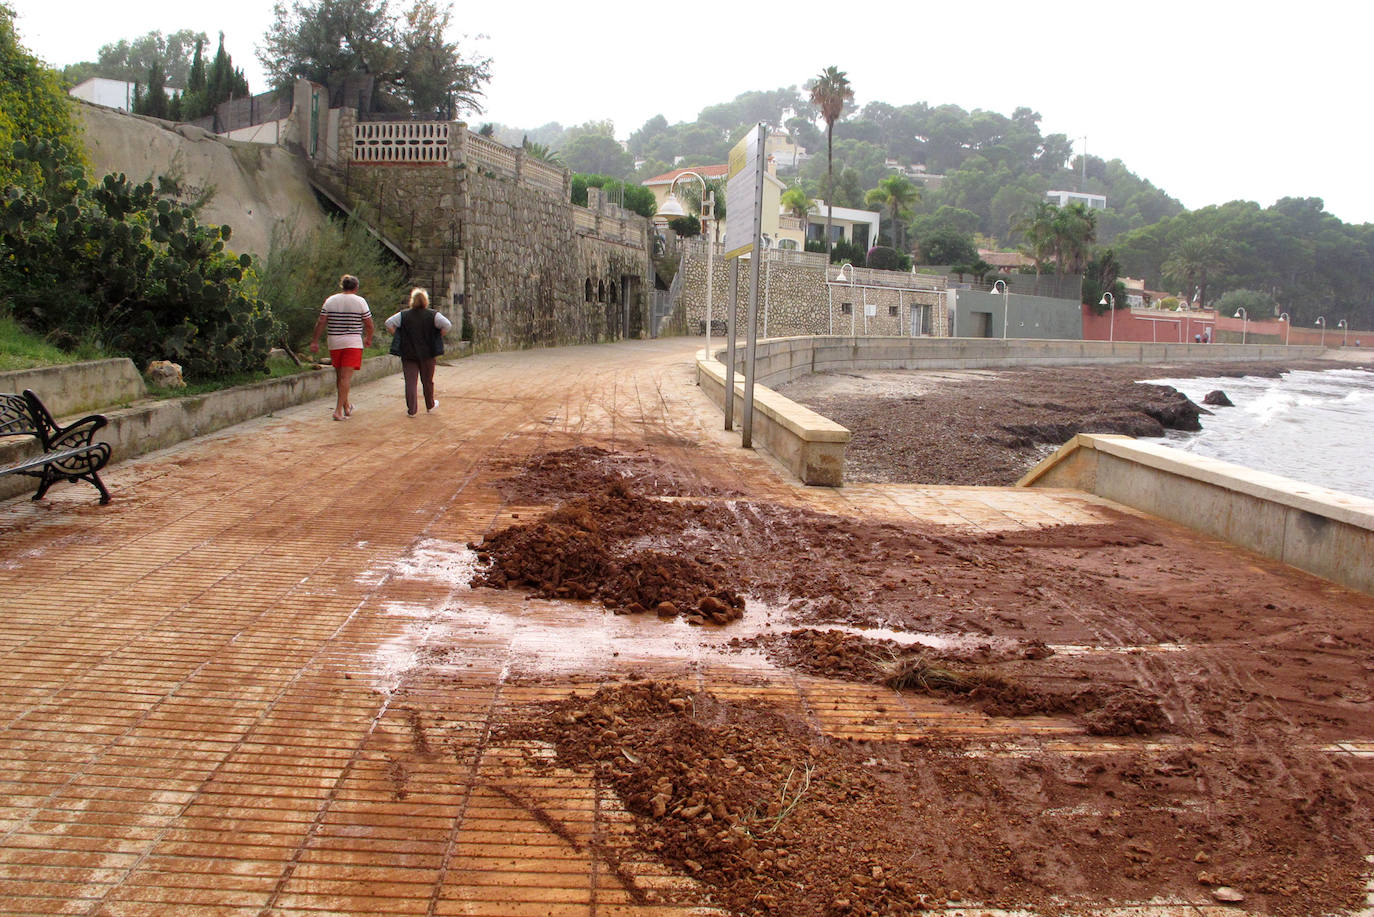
point(805, 299)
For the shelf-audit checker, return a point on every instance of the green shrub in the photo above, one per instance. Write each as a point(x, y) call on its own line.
point(302, 268)
point(884, 259)
point(843, 250)
point(637, 197)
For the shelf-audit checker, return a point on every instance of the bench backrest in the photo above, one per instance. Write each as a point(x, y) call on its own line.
point(16, 417)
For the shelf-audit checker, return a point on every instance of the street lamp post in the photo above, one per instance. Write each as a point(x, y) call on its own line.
point(853, 318)
point(1345, 331)
point(1109, 300)
point(1005, 296)
point(1287, 326)
point(671, 210)
point(1244, 321)
point(1321, 320)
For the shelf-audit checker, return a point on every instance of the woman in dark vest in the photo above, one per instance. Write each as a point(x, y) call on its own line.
point(418, 338)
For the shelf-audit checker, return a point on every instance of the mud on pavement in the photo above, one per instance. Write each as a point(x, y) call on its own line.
point(1199, 703)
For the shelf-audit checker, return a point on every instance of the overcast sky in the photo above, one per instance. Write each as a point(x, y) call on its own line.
point(1211, 101)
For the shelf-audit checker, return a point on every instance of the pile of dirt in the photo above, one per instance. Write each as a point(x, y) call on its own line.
point(593, 547)
point(1102, 709)
point(772, 817)
point(992, 427)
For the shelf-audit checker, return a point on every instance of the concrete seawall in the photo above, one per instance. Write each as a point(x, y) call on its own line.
point(1325, 532)
point(780, 360)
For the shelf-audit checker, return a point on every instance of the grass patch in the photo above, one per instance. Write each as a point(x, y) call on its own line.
point(20, 349)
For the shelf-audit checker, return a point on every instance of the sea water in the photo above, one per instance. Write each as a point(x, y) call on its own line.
point(1316, 427)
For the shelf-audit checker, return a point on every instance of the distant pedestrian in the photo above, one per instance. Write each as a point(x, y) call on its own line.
point(419, 332)
point(349, 322)
point(1197, 338)
point(1207, 335)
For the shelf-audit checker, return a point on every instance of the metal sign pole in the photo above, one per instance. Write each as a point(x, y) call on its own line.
point(730, 331)
point(752, 327)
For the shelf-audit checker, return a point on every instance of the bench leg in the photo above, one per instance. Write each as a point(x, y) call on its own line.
point(48, 479)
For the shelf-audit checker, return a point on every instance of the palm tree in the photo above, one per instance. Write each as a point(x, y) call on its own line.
point(1037, 226)
point(691, 195)
point(1075, 230)
point(799, 204)
point(1192, 258)
point(895, 193)
point(540, 151)
point(829, 92)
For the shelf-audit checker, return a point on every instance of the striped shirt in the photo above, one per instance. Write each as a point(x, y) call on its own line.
point(344, 313)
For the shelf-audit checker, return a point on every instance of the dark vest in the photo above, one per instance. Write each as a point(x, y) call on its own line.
point(420, 340)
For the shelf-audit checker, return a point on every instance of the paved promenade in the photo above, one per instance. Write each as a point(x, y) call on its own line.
point(257, 683)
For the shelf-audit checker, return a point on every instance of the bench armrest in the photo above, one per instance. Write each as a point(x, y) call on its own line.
point(56, 437)
point(80, 433)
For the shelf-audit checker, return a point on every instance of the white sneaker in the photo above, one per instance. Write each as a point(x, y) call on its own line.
point(435, 408)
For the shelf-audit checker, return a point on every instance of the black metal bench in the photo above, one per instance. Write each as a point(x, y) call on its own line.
point(69, 453)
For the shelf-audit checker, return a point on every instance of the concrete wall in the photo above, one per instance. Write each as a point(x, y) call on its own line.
point(79, 388)
point(781, 360)
point(1027, 316)
point(1324, 532)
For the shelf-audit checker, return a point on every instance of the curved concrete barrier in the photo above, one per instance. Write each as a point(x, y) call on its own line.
point(807, 444)
point(1325, 532)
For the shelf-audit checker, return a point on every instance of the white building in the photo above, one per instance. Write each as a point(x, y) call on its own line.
point(1064, 198)
point(110, 93)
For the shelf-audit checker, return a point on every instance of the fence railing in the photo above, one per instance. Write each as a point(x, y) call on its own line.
point(400, 141)
point(491, 154)
point(542, 175)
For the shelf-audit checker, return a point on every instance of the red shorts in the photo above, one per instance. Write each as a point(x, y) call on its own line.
point(351, 357)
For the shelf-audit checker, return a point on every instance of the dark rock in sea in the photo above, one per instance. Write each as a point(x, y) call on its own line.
point(1218, 398)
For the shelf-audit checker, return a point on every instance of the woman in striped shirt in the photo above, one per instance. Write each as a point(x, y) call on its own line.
point(349, 321)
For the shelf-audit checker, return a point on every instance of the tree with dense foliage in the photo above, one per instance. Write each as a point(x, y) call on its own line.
point(593, 149)
point(152, 99)
point(1256, 303)
point(409, 56)
point(130, 59)
point(896, 194)
point(32, 107)
point(829, 91)
point(947, 247)
point(1100, 275)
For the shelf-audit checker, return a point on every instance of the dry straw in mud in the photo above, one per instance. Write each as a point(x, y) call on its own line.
point(916, 672)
